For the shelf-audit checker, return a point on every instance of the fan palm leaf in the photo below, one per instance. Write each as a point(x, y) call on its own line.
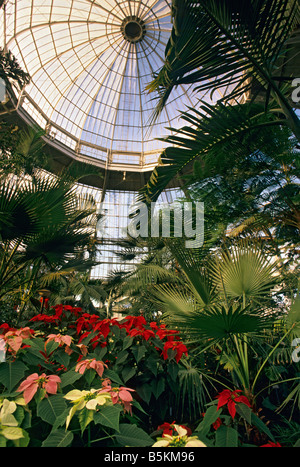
point(244, 271)
point(45, 225)
point(219, 325)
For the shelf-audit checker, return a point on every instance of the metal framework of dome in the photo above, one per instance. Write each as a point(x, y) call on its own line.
point(90, 62)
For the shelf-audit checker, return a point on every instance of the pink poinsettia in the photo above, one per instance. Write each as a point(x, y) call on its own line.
point(96, 365)
point(83, 349)
point(14, 337)
point(119, 395)
point(61, 340)
point(33, 382)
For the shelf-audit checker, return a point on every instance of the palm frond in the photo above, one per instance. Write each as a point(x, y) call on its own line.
point(213, 132)
point(220, 323)
point(244, 270)
point(216, 44)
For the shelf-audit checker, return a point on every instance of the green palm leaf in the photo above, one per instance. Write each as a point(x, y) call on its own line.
point(214, 131)
point(220, 43)
point(219, 323)
point(244, 270)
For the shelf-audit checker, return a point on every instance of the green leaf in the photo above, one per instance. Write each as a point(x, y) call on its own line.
point(58, 439)
point(63, 358)
point(69, 378)
point(131, 435)
point(226, 437)
point(51, 346)
point(12, 373)
point(138, 406)
point(121, 357)
point(244, 411)
point(211, 415)
point(173, 369)
point(158, 387)
point(100, 352)
point(128, 373)
point(37, 344)
point(113, 376)
point(145, 392)
point(51, 407)
point(139, 352)
point(19, 414)
point(127, 342)
point(109, 416)
point(255, 420)
point(61, 419)
point(2, 441)
point(85, 417)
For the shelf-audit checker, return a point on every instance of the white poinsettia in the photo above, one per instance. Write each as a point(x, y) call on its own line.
point(182, 440)
point(85, 399)
point(9, 428)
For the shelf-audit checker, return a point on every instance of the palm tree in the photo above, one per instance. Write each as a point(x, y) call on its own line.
point(257, 190)
point(10, 70)
point(75, 288)
point(226, 308)
point(237, 46)
point(216, 300)
point(22, 149)
point(44, 225)
point(217, 43)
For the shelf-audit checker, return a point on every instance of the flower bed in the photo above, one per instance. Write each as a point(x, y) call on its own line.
point(73, 379)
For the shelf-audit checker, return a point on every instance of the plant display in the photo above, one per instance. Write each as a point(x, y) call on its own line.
point(68, 373)
point(71, 378)
point(192, 347)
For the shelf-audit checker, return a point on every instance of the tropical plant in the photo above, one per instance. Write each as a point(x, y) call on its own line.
point(221, 302)
point(255, 192)
point(76, 288)
point(71, 378)
point(10, 70)
point(44, 226)
point(217, 45)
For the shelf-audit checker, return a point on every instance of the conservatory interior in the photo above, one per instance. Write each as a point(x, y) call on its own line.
point(149, 224)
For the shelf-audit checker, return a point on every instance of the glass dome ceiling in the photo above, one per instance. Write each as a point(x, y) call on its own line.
point(90, 62)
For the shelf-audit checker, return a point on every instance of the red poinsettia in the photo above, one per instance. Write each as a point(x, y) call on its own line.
point(134, 322)
point(163, 332)
point(270, 444)
point(145, 333)
point(230, 398)
point(178, 346)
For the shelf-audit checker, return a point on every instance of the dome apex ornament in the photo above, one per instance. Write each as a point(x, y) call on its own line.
point(133, 29)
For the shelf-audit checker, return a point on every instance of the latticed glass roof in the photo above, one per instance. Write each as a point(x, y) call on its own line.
point(90, 62)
